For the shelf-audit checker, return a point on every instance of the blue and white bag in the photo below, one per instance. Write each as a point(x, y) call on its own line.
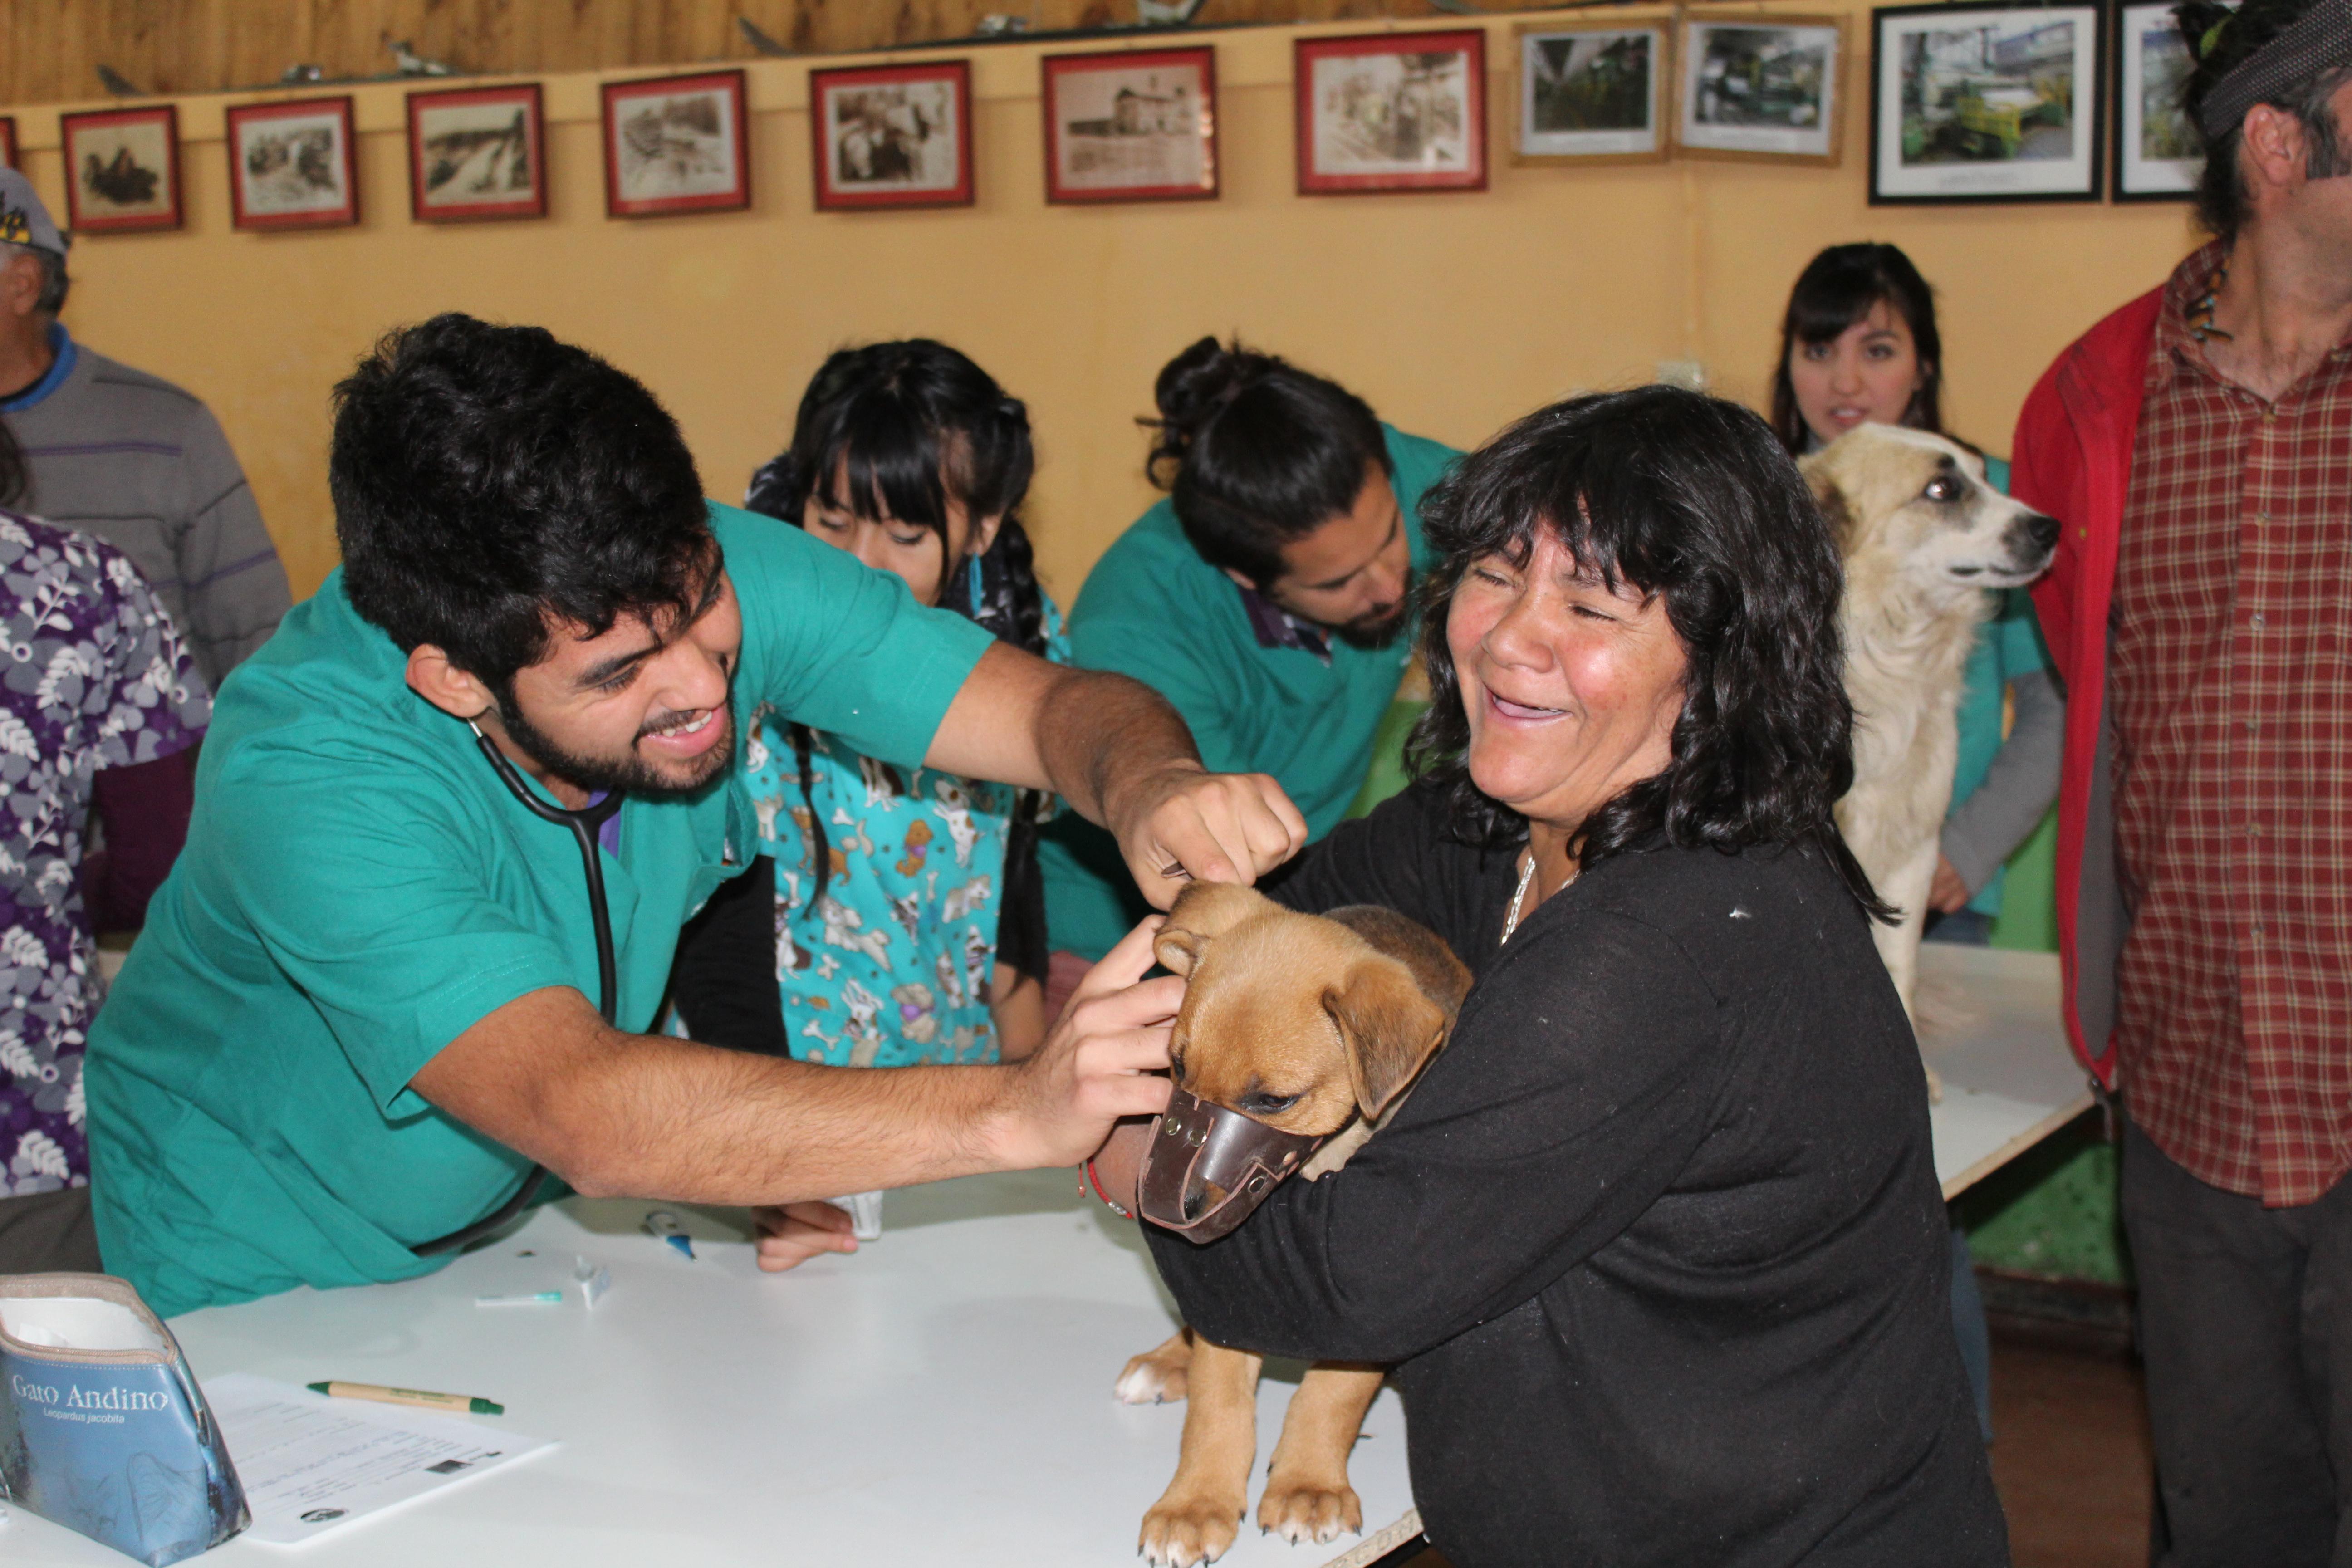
point(102, 1427)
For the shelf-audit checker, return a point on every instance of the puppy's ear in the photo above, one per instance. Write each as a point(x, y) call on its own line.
point(1389, 1025)
point(1177, 951)
point(1204, 909)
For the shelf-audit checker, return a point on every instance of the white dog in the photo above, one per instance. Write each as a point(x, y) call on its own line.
point(1924, 538)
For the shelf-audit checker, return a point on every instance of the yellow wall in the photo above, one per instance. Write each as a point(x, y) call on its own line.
point(1450, 312)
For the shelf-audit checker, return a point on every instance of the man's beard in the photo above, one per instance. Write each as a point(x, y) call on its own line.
point(630, 775)
point(1372, 633)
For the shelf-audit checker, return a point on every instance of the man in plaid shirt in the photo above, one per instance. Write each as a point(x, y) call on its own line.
point(2197, 445)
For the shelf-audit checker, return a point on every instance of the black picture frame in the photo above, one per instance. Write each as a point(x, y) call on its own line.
point(2130, 179)
point(2011, 102)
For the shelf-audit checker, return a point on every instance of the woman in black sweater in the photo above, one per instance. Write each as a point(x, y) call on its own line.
point(1655, 1246)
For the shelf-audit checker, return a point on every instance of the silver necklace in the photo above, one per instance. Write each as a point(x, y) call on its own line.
point(1511, 920)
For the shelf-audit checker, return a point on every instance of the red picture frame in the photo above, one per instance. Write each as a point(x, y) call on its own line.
point(122, 169)
point(1130, 125)
point(477, 154)
point(8, 142)
point(292, 166)
point(1382, 112)
point(891, 136)
point(677, 144)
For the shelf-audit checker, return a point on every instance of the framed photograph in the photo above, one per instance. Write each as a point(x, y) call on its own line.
point(892, 136)
point(1391, 111)
point(677, 144)
point(477, 153)
point(2157, 155)
point(1593, 92)
point(1131, 127)
point(1998, 104)
point(1763, 88)
point(122, 169)
point(8, 142)
point(289, 164)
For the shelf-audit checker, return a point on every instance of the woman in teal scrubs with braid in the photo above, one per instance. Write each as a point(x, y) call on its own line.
point(909, 923)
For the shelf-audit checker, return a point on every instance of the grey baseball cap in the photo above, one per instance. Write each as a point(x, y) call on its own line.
point(23, 219)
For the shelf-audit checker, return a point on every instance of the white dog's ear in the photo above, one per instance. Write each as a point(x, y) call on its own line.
point(1836, 510)
point(1390, 1026)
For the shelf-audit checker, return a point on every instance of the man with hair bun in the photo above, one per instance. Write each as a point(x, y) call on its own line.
point(2197, 445)
point(1269, 598)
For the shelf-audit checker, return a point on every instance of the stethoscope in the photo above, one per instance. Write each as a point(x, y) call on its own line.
point(585, 825)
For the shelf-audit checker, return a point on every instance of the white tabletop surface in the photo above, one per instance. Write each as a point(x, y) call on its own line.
point(944, 1395)
point(1991, 1029)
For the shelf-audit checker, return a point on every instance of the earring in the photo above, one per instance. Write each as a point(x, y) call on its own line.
point(975, 585)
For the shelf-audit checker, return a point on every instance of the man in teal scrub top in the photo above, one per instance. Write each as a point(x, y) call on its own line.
point(366, 1002)
point(1268, 597)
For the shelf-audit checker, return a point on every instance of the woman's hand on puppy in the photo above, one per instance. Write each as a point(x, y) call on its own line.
point(792, 1234)
point(1097, 1063)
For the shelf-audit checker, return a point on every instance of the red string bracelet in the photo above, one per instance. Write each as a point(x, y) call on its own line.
point(1096, 1182)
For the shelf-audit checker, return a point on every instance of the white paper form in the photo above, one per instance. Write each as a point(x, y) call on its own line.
point(311, 1464)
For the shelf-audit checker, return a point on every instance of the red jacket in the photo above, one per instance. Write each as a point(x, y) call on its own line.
point(2072, 459)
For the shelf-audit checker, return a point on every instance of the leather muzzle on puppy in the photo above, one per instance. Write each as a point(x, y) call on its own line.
point(1293, 1027)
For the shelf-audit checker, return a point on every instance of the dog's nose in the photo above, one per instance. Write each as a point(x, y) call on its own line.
point(2043, 531)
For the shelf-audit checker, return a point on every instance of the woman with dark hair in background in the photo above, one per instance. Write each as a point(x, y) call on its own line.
point(1654, 1247)
point(1859, 345)
point(1268, 599)
point(908, 923)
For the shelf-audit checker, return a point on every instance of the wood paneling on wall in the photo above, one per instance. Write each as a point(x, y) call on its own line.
point(50, 49)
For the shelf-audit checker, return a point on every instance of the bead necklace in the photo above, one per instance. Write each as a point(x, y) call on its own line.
point(2200, 314)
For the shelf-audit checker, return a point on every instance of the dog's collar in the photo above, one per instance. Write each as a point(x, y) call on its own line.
point(1208, 1168)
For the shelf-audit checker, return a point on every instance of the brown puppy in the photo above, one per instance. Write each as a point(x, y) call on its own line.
point(1313, 1024)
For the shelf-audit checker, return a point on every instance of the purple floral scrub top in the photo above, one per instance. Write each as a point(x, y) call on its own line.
point(92, 675)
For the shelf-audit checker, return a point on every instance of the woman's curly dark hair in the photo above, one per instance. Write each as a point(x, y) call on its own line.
point(1692, 500)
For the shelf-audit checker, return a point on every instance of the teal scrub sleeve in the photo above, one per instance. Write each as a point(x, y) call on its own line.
point(2017, 634)
point(369, 900)
point(1420, 464)
point(833, 645)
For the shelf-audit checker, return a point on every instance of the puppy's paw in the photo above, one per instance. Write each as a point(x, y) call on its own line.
point(1303, 1510)
point(1157, 1376)
point(1149, 1381)
point(1180, 1533)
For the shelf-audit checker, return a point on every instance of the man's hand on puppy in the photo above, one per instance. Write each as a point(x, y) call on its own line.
point(1097, 1063)
point(792, 1234)
point(1182, 823)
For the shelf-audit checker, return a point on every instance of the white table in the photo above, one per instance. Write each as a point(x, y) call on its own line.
point(943, 1396)
point(2010, 1080)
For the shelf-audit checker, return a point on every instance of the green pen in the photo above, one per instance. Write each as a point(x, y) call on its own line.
point(462, 1404)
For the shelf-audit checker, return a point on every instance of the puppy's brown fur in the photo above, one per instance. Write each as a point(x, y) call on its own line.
point(1312, 1023)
